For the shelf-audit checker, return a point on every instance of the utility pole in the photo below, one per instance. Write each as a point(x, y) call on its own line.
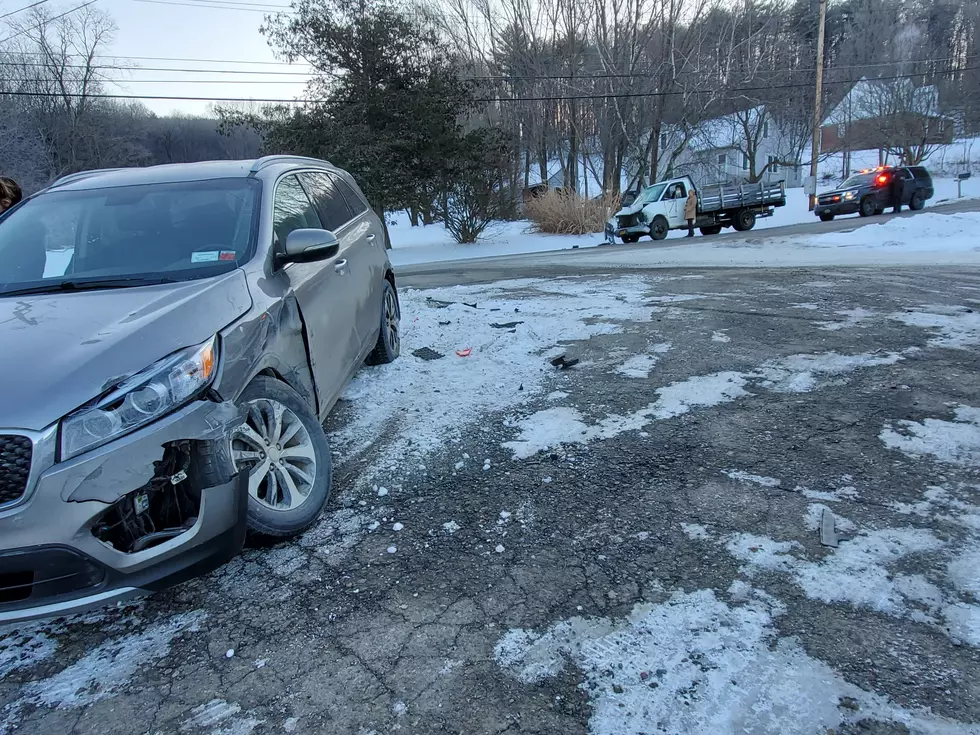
point(815, 144)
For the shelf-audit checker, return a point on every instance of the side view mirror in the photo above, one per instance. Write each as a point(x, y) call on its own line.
point(308, 246)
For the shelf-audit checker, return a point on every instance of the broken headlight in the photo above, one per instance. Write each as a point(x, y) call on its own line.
point(146, 396)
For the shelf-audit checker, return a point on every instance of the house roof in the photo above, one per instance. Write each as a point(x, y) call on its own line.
point(871, 98)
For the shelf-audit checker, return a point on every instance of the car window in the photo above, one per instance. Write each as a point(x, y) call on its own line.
point(354, 201)
point(292, 210)
point(177, 231)
point(652, 193)
point(329, 201)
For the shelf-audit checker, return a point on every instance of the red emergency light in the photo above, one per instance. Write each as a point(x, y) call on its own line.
point(883, 178)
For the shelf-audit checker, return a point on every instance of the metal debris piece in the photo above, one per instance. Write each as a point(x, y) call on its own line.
point(505, 325)
point(437, 304)
point(828, 532)
point(563, 363)
point(427, 353)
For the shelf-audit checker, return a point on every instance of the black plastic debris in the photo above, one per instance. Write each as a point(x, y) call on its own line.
point(564, 363)
point(505, 325)
point(427, 353)
point(444, 324)
point(472, 306)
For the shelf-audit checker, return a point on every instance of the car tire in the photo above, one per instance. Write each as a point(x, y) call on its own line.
point(867, 207)
point(711, 230)
point(272, 509)
point(744, 220)
point(659, 228)
point(389, 345)
point(917, 202)
point(827, 217)
point(631, 239)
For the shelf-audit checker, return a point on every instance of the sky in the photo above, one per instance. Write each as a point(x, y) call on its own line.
point(188, 29)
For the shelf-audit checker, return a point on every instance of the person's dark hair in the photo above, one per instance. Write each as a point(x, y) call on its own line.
point(9, 192)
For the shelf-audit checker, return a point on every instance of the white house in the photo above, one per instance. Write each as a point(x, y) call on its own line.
point(737, 147)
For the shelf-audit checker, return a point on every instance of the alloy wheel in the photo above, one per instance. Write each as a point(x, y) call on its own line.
point(391, 322)
point(274, 446)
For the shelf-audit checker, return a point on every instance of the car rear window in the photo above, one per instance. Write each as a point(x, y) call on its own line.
point(920, 172)
point(174, 230)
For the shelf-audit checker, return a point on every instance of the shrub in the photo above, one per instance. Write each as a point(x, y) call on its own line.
point(568, 213)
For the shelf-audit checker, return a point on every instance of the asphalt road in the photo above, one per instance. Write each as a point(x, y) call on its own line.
point(561, 262)
point(656, 567)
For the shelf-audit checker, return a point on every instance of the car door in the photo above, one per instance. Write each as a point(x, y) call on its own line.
point(675, 197)
point(908, 187)
point(358, 242)
point(322, 290)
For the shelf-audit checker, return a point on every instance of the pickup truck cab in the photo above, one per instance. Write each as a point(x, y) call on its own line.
point(657, 209)
point(869, 192)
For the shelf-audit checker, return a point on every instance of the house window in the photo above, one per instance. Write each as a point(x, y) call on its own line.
point(745, 162)
point(722, 159)
point(663, 141)
point(841, 130)
point(765, 129)
point(773, 166)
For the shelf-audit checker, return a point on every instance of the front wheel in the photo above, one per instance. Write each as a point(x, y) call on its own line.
point(711, 230)
point(918, 201)
point(827, 217)
point(659, 228)
point(867, 207)
point(631, 239)
point(389, 337)
point(285, 452)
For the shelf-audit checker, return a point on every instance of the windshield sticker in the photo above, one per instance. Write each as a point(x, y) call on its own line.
point(227, 255)
point(204, 256)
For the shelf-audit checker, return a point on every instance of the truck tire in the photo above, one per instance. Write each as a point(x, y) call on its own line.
point(918, 201)
point(867, 207)
point(744, 220)
point(711, 230)
point(630, 239)
point(659, 228)
point(827, 217)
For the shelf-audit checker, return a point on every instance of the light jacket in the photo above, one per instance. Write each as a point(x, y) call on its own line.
point(691, 206)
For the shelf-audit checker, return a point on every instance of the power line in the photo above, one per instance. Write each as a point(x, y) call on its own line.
point(498, 100)
point(48, 20)
point(21, 10)
point(175, 58)
point(34, 64)
point(213, 7)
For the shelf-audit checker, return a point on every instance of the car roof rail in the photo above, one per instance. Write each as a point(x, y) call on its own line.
point(71, 178)
point(261, 163)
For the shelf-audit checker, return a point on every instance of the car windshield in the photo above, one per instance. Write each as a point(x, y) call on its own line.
point(652, 193)
point(858, 180)
point(123, 236)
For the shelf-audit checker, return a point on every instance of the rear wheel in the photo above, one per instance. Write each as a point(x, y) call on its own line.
point(867, 207)
point(744, 220)
point(918, 201)
point(285, 452)
point(711, 230)
point(659, 228)
point(389, 337)
point(827, 217)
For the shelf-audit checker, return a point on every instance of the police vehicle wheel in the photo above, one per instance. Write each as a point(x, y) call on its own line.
point(867, 207)
point(918, 201)
point(827, 217)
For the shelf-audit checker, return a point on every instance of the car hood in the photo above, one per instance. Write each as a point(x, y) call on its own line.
point(61, 350)
point(630, 209)
point(833, 192)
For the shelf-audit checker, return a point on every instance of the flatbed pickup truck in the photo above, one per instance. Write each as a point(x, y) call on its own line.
point(660, 208)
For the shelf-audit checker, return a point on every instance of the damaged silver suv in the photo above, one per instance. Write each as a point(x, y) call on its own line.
point(173, 338)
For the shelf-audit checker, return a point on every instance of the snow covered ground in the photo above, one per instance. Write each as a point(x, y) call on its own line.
point(414, 245)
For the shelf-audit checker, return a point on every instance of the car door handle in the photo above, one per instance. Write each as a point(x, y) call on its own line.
point(340, 266)
point(371, 237)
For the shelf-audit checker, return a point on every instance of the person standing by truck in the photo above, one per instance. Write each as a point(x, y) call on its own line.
point(897, 189)
point(691, 211)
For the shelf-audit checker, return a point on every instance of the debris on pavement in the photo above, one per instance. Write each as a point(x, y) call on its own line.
point(505, 325)
point(464, 352)
point(563, 363)
point(828, 532)
point(427, 353)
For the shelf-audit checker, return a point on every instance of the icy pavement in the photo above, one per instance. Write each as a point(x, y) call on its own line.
point(629, 545)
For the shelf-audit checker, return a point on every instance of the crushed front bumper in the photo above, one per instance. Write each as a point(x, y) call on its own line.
point(51, 561)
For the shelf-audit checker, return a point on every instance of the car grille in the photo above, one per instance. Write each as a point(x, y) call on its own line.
point(830, 199)
point(626, 220)
point(15, 466)
point(43, 574)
